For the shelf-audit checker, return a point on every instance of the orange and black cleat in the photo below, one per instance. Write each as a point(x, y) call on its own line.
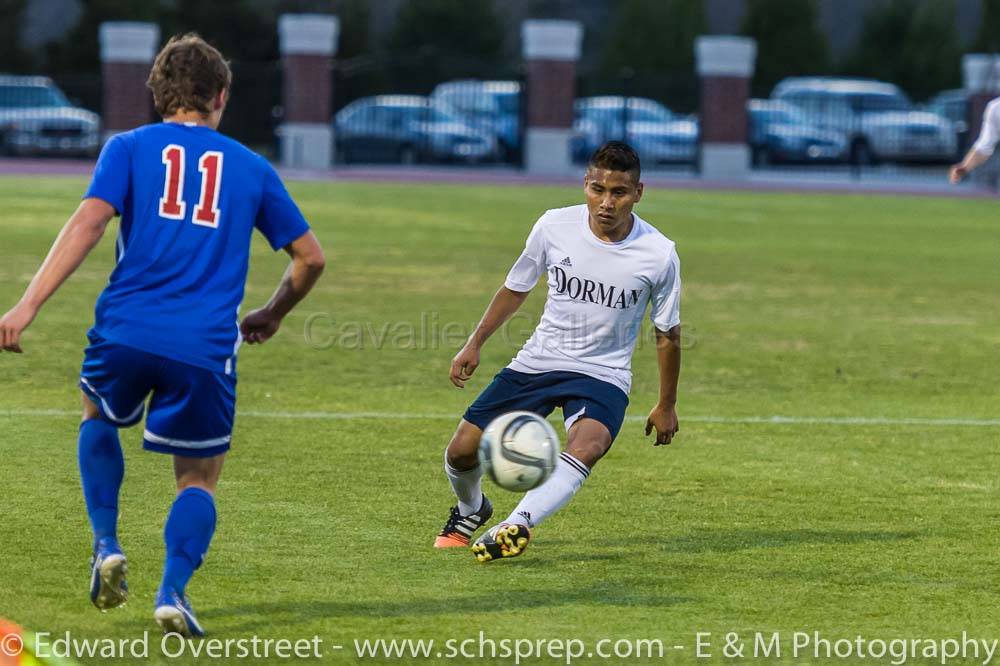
point(458, 531)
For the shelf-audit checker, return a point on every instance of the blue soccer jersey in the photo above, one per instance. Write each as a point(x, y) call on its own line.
point(189, 200)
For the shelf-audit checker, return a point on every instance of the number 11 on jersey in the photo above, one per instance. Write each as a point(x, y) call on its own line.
point(172, 203)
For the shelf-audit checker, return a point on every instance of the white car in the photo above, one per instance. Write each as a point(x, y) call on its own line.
point(37, 119)
point(879, 120)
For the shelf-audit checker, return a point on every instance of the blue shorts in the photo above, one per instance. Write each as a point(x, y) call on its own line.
point(191, 411)
point(579, 396)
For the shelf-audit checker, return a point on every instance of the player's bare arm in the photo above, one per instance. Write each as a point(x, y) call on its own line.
point(973, 160)
point(663, 417)
point(503, 306)
point(82, 232)
point(307, 265)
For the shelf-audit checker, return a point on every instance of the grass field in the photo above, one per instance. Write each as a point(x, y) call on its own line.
point(830, 307)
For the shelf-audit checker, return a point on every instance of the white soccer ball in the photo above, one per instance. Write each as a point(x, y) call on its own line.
point(519, 450)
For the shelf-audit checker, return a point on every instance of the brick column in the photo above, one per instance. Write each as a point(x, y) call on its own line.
point(551, 49)
point(308, 42)
point(127, 50)
point(725, 66)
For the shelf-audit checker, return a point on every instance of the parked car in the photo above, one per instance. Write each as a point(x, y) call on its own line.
point(491, 106)
point(652, 129)
point(880, 121)
point(780, 132)
point(954, 105)
point(37, 119)
point(407, 129)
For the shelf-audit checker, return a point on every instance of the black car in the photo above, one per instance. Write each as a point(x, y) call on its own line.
point(781, 133)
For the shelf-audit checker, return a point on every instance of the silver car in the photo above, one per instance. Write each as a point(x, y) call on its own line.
point(37, 119)
point(879, 120)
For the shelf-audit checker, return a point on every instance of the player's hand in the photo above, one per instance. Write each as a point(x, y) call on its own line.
point(259, 326)
point(463, 365)
point(957, 173)
point(12, 325)
point(664, 420)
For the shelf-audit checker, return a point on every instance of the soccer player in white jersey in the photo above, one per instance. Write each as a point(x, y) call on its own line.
point(604, 264)
point(983, 148)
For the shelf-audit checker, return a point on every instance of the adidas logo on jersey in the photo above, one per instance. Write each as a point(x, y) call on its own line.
point(566, 262)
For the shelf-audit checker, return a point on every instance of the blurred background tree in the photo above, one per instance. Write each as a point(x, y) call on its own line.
point(988, 36)
point(436, 40)
point(789, 41)
point(649, 52)
point(912, 44)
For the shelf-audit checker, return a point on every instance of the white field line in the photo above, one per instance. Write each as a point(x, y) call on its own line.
point(726, 420)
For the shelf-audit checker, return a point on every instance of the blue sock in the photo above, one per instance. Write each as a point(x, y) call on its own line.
point(187, 534)
point(102, 468)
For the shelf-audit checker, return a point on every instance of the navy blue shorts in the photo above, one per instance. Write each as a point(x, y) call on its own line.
point(191, 411)
point(578, 395)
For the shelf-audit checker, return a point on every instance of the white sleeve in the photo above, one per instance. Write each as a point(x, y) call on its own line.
point(524, 274)
point(989, 134)
point(666, 297)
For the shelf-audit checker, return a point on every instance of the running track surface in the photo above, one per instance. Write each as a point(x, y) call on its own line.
point(790, 181)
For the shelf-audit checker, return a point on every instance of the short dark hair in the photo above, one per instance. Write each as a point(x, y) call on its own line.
point(187, 74)
point(616, 156)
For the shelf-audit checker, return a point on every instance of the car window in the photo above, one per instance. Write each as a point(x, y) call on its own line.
point(25, 96)
point(871, 102)
point(508, 103)
point(470, 100)
point(649, 115)
point(359, 116)
point(791, 117)
point(601, 114)
point(809, 103)
point(440, 115)
point(837, 106)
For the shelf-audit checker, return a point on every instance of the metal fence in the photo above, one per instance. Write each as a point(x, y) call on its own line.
point(817, 127)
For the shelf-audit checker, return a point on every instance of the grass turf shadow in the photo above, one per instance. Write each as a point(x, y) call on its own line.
point(730, 541)
point(428, 606)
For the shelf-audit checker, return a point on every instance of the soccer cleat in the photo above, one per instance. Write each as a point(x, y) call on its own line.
point(174, 615)
point(108, 567)
point(500, 541)
point(459, 529)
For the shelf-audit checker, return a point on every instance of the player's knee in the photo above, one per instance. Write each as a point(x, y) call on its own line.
point(463, 449)
point(200, 473)
point(588, 452)
point(588, 445)
point(460, 459)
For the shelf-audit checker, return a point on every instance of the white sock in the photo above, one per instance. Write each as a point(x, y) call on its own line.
point(467, 486)
point(546, 499)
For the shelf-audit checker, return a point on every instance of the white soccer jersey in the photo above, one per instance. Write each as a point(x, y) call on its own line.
point(989, 134)
point(598, 293)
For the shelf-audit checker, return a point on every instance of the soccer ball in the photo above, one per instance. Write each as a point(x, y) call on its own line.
point(519, 450)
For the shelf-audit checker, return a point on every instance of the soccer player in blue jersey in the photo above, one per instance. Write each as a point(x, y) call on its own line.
point(167, 324)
